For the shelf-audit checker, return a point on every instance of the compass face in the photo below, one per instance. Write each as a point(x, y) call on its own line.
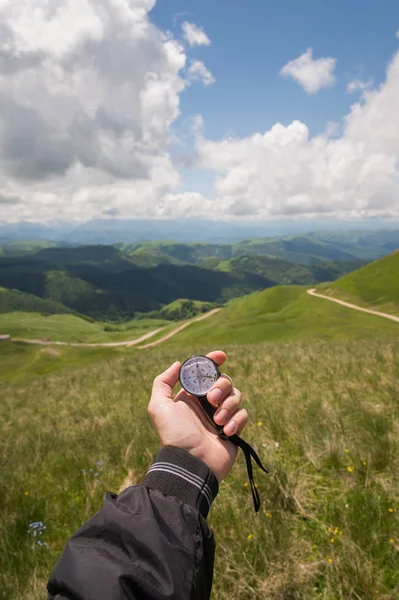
point(198, 374)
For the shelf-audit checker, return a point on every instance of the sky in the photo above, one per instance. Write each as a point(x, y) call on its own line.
point(255, 110)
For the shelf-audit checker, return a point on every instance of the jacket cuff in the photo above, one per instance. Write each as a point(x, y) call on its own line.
point(175, 472)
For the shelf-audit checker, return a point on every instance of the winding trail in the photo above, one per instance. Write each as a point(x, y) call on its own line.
point(312, 292)
point(180, 328)
point(126, 343)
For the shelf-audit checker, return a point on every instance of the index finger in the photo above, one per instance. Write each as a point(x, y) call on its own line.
point(218, 356)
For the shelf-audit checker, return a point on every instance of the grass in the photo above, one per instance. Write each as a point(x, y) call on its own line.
point(284, 313)
point(69, 328)
point(23, 363)
point(324, 420)
point(374, 286)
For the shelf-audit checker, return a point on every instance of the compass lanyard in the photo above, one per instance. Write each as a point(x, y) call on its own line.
point(249, 452)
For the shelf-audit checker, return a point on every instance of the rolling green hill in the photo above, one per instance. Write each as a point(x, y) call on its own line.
point(72, 328)
point(183, 309)
point(374, 286)
point(305, 249)
point(14, 300)
point(105, 283)
point(283, 313)
point(284, 272)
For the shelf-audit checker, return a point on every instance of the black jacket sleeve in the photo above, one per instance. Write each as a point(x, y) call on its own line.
point(150, 542)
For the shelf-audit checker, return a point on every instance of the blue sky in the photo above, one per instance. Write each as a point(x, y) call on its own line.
point(229, 110)
point(252, 40)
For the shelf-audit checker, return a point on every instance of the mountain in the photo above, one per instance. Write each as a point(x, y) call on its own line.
point(306, 249)
point(112, 231)
point(104, 283)
point(376, 285)
point(285, 272)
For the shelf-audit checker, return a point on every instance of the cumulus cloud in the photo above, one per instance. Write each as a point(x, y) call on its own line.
point(357, 85)
point(195, 36)
point(88, 92)
point(312, 74)
point(197, 71)
point(285, 172)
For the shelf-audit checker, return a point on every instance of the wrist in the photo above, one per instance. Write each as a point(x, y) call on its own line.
point(177, 472)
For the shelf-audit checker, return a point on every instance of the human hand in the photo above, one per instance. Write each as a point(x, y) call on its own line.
point(181, 422)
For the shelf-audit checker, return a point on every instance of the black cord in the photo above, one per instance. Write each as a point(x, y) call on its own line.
point(235, 439)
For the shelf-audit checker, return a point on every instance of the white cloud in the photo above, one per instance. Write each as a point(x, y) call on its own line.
point(195, 35)
point(357, 85)
point(285, 172)
point(186, 205)
point(197, 71)
point(88, 92)
point(311, 74)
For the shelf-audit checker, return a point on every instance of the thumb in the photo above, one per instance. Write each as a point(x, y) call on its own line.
point(162, 388)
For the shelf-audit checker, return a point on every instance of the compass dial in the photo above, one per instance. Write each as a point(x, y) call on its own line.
point(198, 374)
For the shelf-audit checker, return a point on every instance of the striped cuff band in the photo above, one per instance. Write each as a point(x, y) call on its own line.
point(176, 472)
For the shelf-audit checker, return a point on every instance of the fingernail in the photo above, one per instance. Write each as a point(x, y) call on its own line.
point(230, 428)
point(214, 396)
point(221, 417)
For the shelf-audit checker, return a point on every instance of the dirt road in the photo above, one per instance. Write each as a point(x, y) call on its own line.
point(313, 292)
point(180, 328)
point(126, 343)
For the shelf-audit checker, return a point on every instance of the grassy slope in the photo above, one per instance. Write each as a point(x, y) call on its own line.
point(282, 314)
point(374, 286)
point(13, 300)
point(69, 328)
point(324, 420)
point(24, 363)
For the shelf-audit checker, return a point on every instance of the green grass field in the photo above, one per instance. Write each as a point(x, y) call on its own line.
point(374, 286)
point(69, 328)
point(324, 418)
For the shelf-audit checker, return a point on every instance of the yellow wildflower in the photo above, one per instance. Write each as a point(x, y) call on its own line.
point(250, 536)
point(351, 469)
point(246, 484)
point(391, 541)
point(260, 423)
point(330, 560)
point(365, 463)
point(336, 530)
point(330, 530)
point(346, 450)
point(332, 540)
point(26, 493)
point(269, 516)
point(390, 510)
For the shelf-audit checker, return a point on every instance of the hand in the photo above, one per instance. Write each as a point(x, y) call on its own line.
point(181, 422)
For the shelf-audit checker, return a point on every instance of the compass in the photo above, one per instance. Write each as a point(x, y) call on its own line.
point(198, 374)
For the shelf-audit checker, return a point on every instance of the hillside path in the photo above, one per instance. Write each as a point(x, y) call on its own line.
point(126, 343)
point(312, 292)
point(180, 328)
